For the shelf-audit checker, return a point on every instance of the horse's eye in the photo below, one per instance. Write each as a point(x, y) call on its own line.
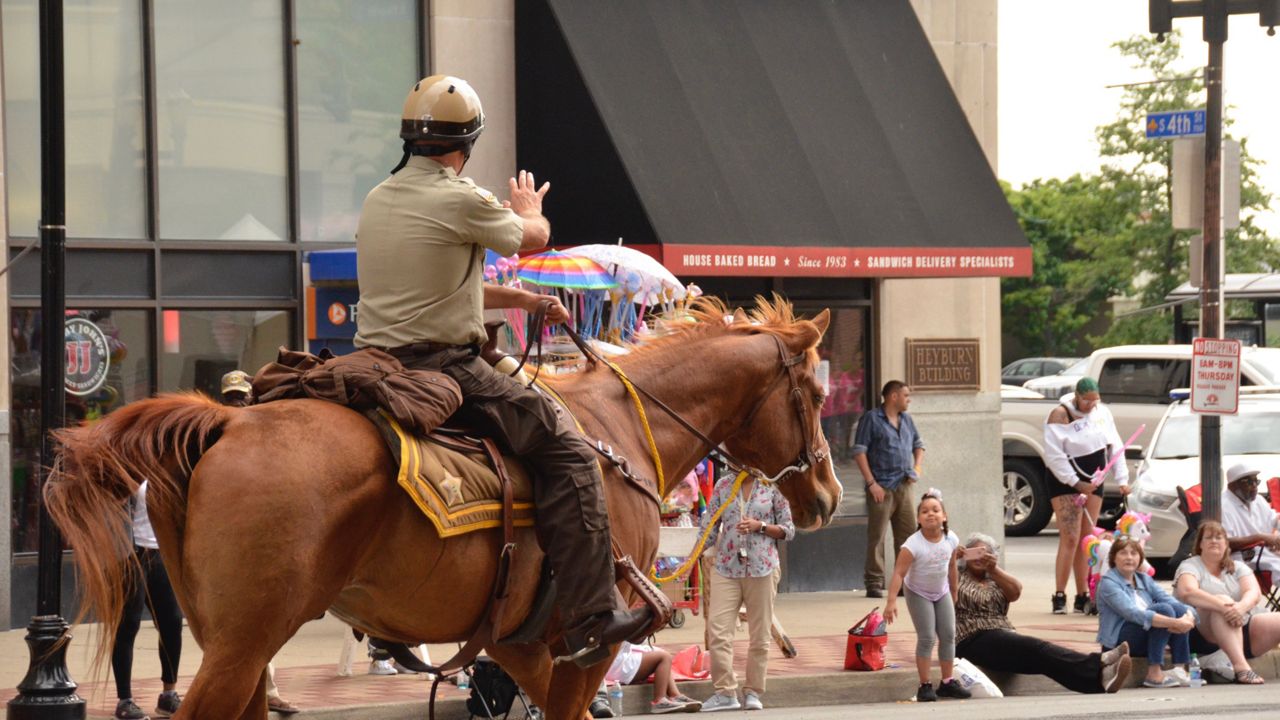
point(819, 399)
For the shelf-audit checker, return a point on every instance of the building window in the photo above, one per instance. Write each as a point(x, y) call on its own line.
point(127, 378)
point(197, 347)
point(356, 62)
point(211, 162)
point(220, 110)
point(106, 183)
point(844, 354)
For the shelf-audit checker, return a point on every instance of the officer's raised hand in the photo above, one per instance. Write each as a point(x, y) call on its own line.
point(527, 203)
point(525, 200)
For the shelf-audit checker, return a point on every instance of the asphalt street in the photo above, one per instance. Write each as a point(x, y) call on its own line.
point(1238, 703)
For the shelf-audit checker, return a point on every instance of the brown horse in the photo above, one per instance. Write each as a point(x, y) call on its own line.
point(269, 515)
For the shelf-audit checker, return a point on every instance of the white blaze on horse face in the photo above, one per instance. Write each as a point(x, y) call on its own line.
point(839, 485)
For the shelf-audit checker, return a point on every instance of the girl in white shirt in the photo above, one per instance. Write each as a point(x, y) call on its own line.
point(926, 566)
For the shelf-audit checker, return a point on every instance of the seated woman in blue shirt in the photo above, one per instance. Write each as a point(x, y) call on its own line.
point(1133, 609)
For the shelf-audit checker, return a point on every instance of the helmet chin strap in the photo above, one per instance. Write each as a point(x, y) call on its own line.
point(404, 159)
point(433, 151)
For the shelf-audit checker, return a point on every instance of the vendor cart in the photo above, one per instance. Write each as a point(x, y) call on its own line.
point(674, 546)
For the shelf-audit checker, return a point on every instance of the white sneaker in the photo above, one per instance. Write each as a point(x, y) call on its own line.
point(381, 667)
point(751, 701)
point(720, 701)
point(1179, 674)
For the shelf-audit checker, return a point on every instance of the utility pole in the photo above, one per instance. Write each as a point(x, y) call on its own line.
point(1215, 14)
point(48, 692)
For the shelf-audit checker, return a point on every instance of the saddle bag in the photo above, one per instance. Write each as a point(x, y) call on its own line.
point(368, 379)
point(865, 647)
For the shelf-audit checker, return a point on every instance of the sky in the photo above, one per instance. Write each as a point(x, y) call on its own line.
point(1055, 61)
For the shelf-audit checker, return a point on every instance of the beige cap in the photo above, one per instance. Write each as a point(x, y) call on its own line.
point(236, 381)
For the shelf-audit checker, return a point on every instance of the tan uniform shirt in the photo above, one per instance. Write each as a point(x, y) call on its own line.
point(420, 256)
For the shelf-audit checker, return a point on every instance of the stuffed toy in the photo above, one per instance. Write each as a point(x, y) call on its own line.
point(1134, 525)
point(1097, 548)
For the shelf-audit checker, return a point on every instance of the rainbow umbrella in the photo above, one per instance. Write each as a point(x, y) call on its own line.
point(556, 269)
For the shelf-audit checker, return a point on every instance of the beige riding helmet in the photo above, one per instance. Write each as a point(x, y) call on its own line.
point(442, 109)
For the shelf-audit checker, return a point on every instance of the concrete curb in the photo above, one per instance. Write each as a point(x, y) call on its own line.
point(843, 688)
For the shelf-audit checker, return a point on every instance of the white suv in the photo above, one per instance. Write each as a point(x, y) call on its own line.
point(1172, 459)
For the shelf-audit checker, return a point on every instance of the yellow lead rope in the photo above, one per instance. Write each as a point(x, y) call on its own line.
point(687, 565)
point(644, 423)
point(657, 463)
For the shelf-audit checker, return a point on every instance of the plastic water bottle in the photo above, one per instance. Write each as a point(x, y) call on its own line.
point(615, 699)
point(1197, 679)
point(464, 680)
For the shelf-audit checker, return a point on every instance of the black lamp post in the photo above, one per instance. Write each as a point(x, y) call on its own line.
point(48, 692)
point(1215, 14)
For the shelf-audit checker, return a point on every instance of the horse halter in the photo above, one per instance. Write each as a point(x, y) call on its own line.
point(815, 452)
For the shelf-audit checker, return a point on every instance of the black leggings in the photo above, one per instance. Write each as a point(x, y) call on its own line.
point(1007, 651)
point(157, 593)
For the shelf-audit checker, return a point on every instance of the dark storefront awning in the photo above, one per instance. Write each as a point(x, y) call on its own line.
point(771, 138)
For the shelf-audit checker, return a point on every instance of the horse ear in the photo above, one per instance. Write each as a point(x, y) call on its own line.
point(822, 320)
point(739, 316)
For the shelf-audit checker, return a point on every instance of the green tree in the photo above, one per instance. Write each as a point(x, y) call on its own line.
point(1112, 233)
point(1067, 222)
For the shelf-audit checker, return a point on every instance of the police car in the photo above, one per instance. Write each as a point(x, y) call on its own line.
point(1172, 460)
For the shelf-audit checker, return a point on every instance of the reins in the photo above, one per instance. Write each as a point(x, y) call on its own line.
point(810, 455)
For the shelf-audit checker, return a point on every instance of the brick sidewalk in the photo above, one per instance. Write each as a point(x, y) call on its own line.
point(317, 687)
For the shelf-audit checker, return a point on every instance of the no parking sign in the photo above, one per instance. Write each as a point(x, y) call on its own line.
point(1215, 376)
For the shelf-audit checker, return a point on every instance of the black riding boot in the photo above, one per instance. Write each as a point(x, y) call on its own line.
point(588, 638)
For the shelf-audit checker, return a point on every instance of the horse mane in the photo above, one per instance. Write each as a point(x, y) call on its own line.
point(709, 316)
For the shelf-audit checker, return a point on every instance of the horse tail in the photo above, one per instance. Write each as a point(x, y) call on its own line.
point(99, 466)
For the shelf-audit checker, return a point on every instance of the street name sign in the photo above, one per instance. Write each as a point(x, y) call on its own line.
point(1179, 123)
point(1215, 376)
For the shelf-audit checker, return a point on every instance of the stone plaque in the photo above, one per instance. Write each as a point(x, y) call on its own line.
point(950, 364)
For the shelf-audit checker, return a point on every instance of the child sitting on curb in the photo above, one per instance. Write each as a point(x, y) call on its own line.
point(635, 663)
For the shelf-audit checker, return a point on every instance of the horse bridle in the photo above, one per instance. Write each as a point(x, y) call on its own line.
point(815, 452)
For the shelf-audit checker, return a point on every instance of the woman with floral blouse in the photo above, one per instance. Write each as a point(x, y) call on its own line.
point(745, 555)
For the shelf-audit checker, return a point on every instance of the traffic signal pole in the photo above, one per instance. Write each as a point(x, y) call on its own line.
point(1211, 315)
point(1215, 14)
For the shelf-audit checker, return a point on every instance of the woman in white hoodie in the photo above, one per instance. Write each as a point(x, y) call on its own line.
point(1080, 437)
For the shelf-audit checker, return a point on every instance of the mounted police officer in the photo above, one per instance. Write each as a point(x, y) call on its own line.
point(420, 258)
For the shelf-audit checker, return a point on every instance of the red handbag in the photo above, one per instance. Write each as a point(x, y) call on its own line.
point(865, 647)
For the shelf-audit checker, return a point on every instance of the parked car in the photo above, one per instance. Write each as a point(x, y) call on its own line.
point(1055, 386)
point(1135, 381)
point(1173, 460)
point(1020, 371)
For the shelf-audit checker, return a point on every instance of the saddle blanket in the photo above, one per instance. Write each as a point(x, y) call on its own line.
point(459, 492)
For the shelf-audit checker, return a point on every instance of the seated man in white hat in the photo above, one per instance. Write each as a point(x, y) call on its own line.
point(1249, 519)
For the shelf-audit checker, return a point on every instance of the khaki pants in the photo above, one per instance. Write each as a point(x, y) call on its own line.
point(727, 595)
point(898, 510)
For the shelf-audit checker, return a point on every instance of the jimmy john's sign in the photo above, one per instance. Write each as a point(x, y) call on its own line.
point(950, 364)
